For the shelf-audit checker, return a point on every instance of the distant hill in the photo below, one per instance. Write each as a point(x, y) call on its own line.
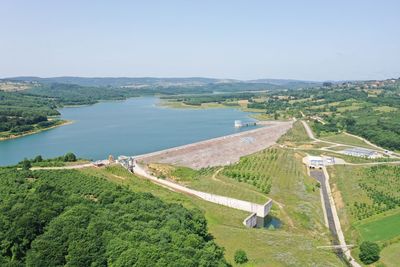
point(142, 82)
point(117, 81)
point(288, 83)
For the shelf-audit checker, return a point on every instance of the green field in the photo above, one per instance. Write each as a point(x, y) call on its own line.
point(390, 255)
point(381, 229)
point(297, 134)
point(294, 244)
point(347, 140)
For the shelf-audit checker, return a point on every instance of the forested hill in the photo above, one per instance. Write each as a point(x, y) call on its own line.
point(164, 82)
point(64, 217)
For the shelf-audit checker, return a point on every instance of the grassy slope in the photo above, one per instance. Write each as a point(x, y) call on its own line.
point(390, 255)
point(381, 227)
point(347, 140)
point(292, 245)
point(296, 135)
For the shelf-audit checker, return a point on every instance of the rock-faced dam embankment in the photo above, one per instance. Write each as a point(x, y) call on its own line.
point(222, 150)
point(218, 152)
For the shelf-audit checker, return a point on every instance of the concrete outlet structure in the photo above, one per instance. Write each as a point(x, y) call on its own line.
point(262, 211)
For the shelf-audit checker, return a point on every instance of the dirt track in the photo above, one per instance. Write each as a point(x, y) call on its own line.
point(220, 151)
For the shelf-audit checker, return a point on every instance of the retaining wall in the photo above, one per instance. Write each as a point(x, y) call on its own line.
point(251, 220)
point(259, 210)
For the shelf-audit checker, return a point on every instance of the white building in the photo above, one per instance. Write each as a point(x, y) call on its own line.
point(362, 152)
point(315, 162)
point(238, 123)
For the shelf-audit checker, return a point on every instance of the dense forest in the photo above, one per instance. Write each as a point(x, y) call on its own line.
point(21, 113)
point(65, 217)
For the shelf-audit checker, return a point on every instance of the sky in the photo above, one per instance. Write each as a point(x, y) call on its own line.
point(307, 40)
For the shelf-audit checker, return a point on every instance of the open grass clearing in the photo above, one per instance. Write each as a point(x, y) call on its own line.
point(346, 140)
point(297, 134)
point(381, 229)
point(338, 148)
point(390, 255)
point(352, 107)
point(385, 109)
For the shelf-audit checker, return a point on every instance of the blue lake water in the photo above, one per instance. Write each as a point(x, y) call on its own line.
point(131, 127)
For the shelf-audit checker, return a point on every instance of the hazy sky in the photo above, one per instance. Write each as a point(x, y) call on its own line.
point(313, 40)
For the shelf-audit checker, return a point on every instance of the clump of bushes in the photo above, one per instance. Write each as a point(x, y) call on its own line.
point(240, 256)
point(369, 252)
point(69, 157)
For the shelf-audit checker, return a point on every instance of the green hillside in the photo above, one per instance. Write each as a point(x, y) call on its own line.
point(65, 217)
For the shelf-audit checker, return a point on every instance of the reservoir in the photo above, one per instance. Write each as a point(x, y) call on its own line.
point(130, 127)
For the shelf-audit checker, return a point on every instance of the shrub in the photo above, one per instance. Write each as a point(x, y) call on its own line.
point(26, 164)
point(69, 157)
point(38, 158)
point(240, 256)
point(369, 252)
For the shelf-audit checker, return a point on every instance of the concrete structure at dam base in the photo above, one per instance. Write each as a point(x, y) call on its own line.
point(251, 220)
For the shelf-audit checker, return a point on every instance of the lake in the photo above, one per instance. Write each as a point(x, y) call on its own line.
point(131, 127)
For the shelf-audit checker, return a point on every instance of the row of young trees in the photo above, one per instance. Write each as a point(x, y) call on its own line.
point(254, 170)
point(381, 185)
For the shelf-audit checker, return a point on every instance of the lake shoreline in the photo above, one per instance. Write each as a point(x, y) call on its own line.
point(132, 127)
point(63, 123)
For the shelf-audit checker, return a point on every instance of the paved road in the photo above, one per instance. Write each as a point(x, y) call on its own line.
point(320, 177)
point(332, 217)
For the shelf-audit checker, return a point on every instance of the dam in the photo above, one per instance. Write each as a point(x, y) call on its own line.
point(214, 152)
point(220, 151)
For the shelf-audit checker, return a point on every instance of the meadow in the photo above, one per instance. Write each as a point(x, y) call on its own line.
point(345, 139)
point(380, 229)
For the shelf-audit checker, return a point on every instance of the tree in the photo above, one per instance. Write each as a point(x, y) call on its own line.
point(38, 159)
point(369, 252)
point(240, 256)
point(70, 157)
point(327, 84)
point(26, 164)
